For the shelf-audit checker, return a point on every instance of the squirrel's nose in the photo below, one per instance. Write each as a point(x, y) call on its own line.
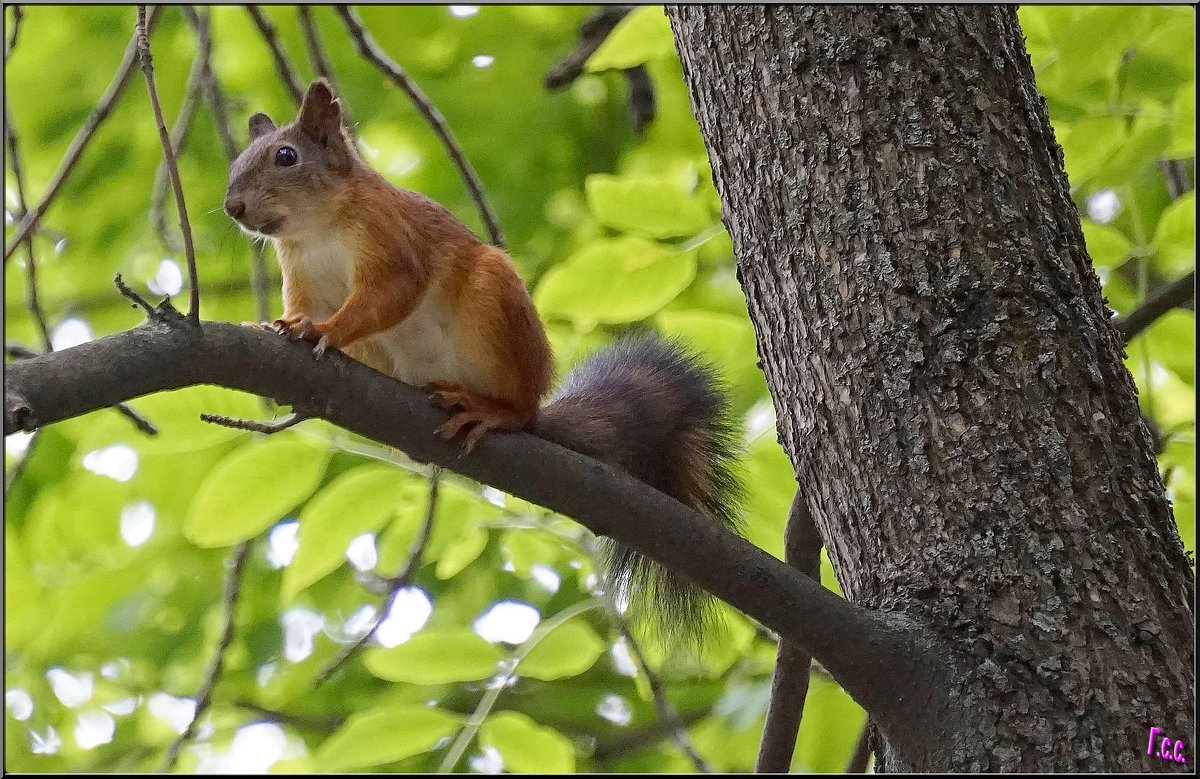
point(235, 208)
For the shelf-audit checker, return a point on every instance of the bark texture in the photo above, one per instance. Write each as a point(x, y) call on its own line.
point(946, 377)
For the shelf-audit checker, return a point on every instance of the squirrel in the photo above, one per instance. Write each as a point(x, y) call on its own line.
point(394, 280)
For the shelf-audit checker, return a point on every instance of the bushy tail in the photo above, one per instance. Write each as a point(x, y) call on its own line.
point(657, 411)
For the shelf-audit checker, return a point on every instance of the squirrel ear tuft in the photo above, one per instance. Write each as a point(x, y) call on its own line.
point(260, 124)
point(320, 113)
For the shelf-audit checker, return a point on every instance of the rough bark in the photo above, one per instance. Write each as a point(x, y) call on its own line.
point(946, 377)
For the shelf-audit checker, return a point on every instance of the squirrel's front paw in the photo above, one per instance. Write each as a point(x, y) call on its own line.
point(301, 329)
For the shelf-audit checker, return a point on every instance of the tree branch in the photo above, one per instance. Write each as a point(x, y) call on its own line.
point(394, 584)
point(592, 33)
point(892, 667)
point(82, 138)
point(793, 665)
point(1174, 294)
point(233, 583)
point(287, 74)
point(179, 132)
point(143, 39)
point(18, 14)
point(318, 59)
point(370, 50)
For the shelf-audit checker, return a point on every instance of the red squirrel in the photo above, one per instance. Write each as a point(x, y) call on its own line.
point(396, 281)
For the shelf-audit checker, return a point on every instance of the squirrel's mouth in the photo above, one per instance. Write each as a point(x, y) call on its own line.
point(267, 227)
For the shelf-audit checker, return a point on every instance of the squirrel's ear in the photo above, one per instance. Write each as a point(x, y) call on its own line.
point(260, 124)
point(320, 115)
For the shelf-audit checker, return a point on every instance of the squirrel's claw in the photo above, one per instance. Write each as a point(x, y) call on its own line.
point(322, 345)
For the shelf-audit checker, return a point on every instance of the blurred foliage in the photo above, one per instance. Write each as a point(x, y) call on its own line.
point(115, 542)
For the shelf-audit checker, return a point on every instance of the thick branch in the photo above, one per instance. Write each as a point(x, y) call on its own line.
point(893, 668)
point(82, 138)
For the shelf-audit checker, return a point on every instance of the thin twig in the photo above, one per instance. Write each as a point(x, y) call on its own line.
point(502, 680)
point(666, 711)
point(287, 73)
point(274, 426)
point(1177, 178)
point(179, 133)
point(18, 14)
point(369, 49)
point(396, 583)
point(317, 57)
point(1174, 294)
point(212, 88)
point(592, 33)
point(82, 138)
point(793, 666)
point(229, 596)
point(185, 227)
point(138, 300)
point(31, 286)
point(323, 724)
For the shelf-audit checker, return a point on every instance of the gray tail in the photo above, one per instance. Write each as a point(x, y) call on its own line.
point(657, 411)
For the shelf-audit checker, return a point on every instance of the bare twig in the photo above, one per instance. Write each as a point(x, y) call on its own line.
point(592, 33)
point(179, 132)
point(212, 88)
point(1177, 178)
point(18, 14)
point(317, 57)
point(82, 138)
point(369, 49)
point(793, 665)
point(173, 169)
point(229, 596)
point(138, 300)
point(31, 286)
point(274, 426)
point(287, 74)
point(1174, 294)
point(862, 751)
point(395, 583)
point(322, 724)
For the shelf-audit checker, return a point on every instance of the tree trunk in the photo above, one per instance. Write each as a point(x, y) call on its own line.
point(947, 382)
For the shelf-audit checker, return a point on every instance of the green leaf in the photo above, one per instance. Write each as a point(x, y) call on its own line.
point(526, 746)
point(654, 207)
point(1175, 237)
point(1172, 342)
point(525, 548)
point(614, 281)
point(1107, 246)
point(385, 735)
point(1183, 125)
point(1087, 144)
point(435, 657)
point(253, 488)
point(462, 552)
point(643, 35)
point(568, 650)
point(358, 501)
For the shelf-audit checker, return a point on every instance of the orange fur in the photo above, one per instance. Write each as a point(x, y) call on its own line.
point(389, 276)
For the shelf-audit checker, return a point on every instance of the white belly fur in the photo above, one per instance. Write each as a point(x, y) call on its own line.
point(423, 348)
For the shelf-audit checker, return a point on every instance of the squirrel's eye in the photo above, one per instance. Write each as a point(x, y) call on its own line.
point(285, 157)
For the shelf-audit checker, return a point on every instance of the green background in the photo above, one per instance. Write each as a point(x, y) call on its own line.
point(612, 231)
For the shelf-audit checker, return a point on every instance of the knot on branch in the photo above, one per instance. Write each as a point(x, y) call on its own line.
point(18, 415)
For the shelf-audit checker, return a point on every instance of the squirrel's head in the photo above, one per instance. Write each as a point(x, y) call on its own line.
point(287, 179)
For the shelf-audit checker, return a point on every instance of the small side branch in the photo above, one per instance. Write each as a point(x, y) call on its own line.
point(212, 87)
point(370, 50)
point(185, 227)
point(793, 665)
point(274, 426)
point(82, 138)
point(283, 66)
point(592, 33)
point(18, 15)
point(395, 584)
point(229, 596)
point(1174, 294)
